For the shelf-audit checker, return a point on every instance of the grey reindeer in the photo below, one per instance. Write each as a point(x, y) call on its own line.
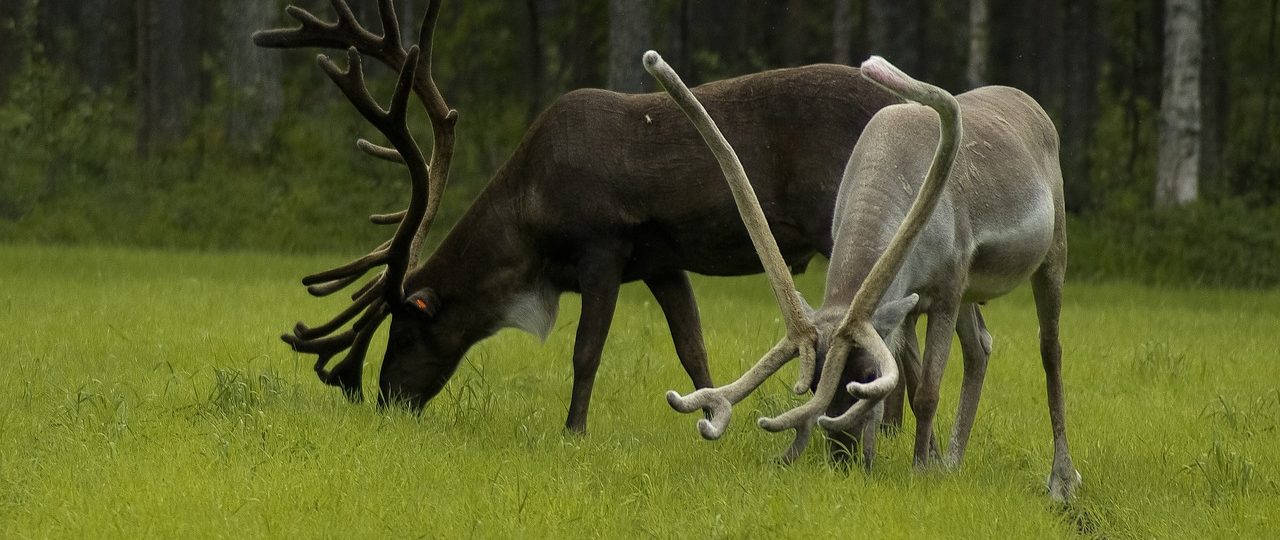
point(935, 213)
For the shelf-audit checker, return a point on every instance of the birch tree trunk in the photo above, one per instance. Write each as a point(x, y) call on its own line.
point(979, 32)
point(1178, 156)
point(168, 71)
point(253, 73)
point(841, 32)
point(629, 38)
point(894, 32)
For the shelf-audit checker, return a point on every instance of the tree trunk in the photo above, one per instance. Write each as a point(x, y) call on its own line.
point(1213, 99)
point(841, 32)
point(1264, 133)
point(9, 13)
point(585, 43)
point(979, 40)
point(685, 47)
point(56, 29)
point(629, 36)
point(103, 53)
point(366, 11)
point(1082, 58)
point(253, 73)
point(1050, 68)
point(410, 16)
point(168, 71)
point(1178, 159)
point(794, 37)
point(536, 70)
point(894, 32)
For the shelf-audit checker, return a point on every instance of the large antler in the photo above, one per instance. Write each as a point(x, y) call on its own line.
point(801, 335)
point(855, 329)
point(373, 301)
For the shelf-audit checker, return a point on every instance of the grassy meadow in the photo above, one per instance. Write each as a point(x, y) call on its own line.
point(148, 395)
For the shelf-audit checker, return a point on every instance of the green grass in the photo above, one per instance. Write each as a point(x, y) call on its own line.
point(148, 395)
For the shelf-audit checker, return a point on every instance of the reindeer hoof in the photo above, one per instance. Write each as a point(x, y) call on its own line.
point(1063, 485)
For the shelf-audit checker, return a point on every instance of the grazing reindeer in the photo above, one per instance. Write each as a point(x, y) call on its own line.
point(581, 206)
point(987, 215)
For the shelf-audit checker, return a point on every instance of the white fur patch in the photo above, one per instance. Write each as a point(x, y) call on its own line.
point(534, 312)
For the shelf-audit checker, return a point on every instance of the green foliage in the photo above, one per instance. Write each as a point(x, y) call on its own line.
point(236, 391)
point(75, 177)
point(1226, 244)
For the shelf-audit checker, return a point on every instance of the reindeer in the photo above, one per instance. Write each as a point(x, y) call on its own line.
point(581, 206)
point(914, 235)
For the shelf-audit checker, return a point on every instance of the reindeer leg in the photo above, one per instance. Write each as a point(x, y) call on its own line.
point(893, 406)
point(599, 277)
point(842, 445)
point(908, 355)
point(906, 352)
point(977, 352)
point(857, 445)
point(924, 404)
point(1046, 284)
point(675, 296)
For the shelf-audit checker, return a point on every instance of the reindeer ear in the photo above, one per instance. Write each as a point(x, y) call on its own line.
point(424, 301)
point(889, 316)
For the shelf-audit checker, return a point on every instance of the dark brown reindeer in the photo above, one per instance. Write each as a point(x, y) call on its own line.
point(583, 205)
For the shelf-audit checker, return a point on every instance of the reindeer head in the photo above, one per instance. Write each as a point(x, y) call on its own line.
point(859, 366)
point(386, 294)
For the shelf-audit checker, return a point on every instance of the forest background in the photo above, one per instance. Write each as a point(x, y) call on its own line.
point(157, 123)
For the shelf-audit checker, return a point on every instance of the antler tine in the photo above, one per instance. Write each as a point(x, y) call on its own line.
point(325, 347)
point(430, 94)
point(354, 268)
point(387, 219)
point(380, 152)
point(390, 25)
point(345, 32)
point(801, 334)
point(443, 120)
point(363, 301)
point(375, 282)
point(356, 352)
point(330, 287)
point(802, 418)
point(351, 82)
point(301, 341)
point(719, 401)
point(335, 279)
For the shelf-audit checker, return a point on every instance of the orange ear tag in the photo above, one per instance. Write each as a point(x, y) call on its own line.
point(422, 304)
